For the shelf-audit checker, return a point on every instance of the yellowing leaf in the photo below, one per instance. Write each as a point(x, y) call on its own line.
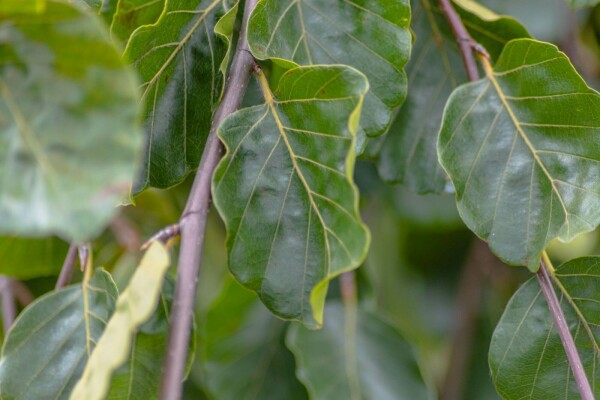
point(134, 306)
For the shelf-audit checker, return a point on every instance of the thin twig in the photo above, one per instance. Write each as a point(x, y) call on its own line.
point(465, 42)
point(66, 272)
point(194, 218)
point(9, 308)
point(469, 295)
point(163, 235)
point(565, 334)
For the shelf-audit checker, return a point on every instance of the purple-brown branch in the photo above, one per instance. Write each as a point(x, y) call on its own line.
point(192, 224)
point(565, 334)
point(464, 40)
point(9, 308)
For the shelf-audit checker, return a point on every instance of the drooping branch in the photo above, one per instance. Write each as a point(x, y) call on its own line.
point(192, 224)
point(464, 40)
point(562, 327)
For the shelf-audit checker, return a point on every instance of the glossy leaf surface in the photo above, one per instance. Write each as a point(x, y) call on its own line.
point(285, 190)
point(244, 340)
point(370, 35)
point(357, 355)
point(526, 356)
point(69, 159)
point(47, 349)
point(407, 153)
point(523, 151)
point(31, 258)
point(134, 306)
point(178, 59)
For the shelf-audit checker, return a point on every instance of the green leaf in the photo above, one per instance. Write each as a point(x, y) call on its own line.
point(371, 35)
point(178, 59)
point(527, 358)
point(582, 3)
point(131, 14)
point(407, 153)
point(46, 350)
point(522, 149)
point(69, 159)
point(243, 340)
point(285, 191)
point(357, 355)
point(134, 306)
point(31, 258)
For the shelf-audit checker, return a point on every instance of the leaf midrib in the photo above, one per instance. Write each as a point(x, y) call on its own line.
point(491, 76)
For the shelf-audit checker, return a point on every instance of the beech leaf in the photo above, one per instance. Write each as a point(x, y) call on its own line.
point(178, 59)
point(522, 148)
point(527, 358)
point(285, 189)
point(46, 350)
point(67, 160)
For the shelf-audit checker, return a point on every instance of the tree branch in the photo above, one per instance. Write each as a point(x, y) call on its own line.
point(464, 40)
point(66, 272)
point(193, 220)
point(565, 334)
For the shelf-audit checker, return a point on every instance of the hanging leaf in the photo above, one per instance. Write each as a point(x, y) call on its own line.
point(407, 153)
point(371, 35)
point(134, 306)
point(31, 258)
point(527, 358)
point(523, 151)
point(69, 159)
point(285, 191)
point(46, 350)
point(131, 14)
point(139, 379)
point(243, 340)
point(357, 355)
point(179, 60)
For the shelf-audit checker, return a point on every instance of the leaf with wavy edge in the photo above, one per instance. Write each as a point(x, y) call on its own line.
point(370, 35)
point(134, 306)
point(407, 153)
point(285, 190)
point(522, 148)
point(357, 355)
point(66, 160)
point(179, 59)
point(46, 350)
point(527, 358)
